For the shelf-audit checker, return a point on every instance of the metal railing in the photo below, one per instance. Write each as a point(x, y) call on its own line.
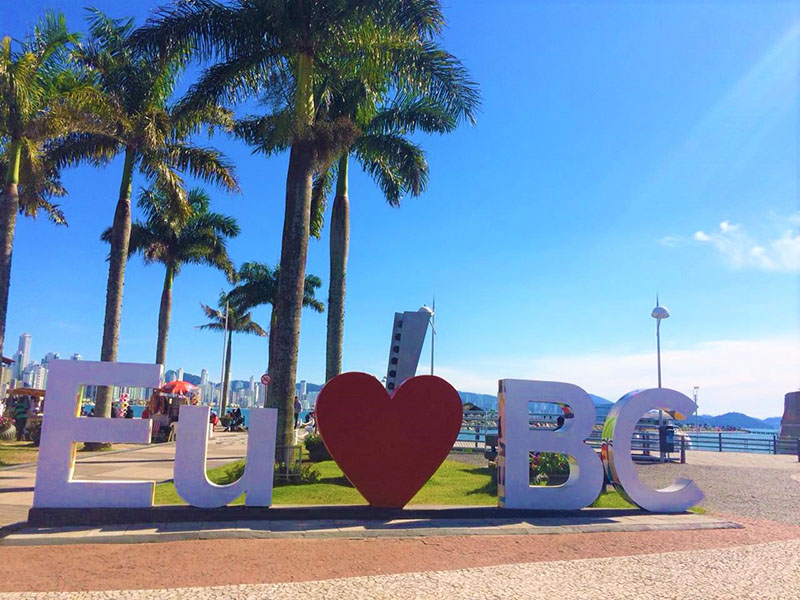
point(645, 442)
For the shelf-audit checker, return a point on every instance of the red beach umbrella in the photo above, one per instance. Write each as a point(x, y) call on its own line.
point(178, 387)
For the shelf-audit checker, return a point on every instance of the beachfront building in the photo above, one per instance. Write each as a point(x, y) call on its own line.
point(35, 376)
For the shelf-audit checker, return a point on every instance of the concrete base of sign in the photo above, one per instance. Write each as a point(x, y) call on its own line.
point(63, 517)
point(584, 521)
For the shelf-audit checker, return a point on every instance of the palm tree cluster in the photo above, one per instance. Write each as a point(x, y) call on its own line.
point(337, 80)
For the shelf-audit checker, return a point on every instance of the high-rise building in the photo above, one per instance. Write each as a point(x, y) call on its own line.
point(180, 374)
point(252, 384)
point(203, 377)
point(76, 356)
point(170, 376)
point(23, 355)
point(49, 357)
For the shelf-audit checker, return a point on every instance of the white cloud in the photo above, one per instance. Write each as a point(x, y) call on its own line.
point(779, 252)
point(749, 376)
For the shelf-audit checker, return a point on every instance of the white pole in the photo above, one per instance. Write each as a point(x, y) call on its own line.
point(433, 331)
point(658, 349)
point(660, 412)
point(222, 371)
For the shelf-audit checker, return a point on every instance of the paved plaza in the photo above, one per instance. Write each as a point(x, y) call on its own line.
point(770, 570)
point(747, 545)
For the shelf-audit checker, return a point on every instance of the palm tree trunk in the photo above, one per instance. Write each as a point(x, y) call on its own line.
point(164, 313)
point(294, 249)
point(269, 398)
point(9, 207)
point(340, 240)
point(120, 238)
point(223, 405)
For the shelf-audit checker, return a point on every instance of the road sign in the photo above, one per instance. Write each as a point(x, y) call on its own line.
point(265, 379)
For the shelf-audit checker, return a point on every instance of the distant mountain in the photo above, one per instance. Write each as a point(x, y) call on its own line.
point(773, 421)
point(484, 401)
point(193, 379)
point(735, 419)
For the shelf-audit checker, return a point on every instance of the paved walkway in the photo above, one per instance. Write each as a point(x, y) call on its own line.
point(770, 570)
point(152, 462)
point(753, 485)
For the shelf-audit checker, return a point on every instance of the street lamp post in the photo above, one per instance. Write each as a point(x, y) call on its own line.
point(696, 417)
point(431, 310)
point(659, 313)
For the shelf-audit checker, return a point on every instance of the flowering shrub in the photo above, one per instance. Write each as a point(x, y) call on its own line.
point(546, 464)
point(6, 423)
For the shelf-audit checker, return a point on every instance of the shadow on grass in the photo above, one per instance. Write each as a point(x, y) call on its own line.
point(490, 487)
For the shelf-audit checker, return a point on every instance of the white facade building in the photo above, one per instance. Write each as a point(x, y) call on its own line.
point(35, 376)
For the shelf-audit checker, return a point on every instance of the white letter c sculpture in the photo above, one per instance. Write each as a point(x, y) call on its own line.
point(616, 452)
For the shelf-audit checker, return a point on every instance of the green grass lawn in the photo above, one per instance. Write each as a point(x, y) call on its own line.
point(17, 453)
point(453, 483)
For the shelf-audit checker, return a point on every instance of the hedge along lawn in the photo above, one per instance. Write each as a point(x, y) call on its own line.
point(454, 483)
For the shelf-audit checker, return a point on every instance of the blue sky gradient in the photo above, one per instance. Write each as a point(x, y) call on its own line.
point(623, 149)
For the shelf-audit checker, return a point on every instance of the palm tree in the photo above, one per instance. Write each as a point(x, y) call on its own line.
point(35, 77)
point(396, 164)
point(259, 285)
point(133, 117)
point(290, 46)
point(172, 238)
point(228, 318)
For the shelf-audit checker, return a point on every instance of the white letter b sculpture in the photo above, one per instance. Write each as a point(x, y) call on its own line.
point(517, 440)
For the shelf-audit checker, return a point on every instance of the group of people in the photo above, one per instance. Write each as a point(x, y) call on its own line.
point(123, 412)
point(235, 420)
point(21, 409)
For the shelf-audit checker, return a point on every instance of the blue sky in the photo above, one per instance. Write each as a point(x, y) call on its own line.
point(623, 149)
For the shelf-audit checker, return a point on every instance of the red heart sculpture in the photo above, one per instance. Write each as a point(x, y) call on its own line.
point(388, 446)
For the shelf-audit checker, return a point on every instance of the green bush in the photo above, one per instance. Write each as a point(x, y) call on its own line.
point(317, 452)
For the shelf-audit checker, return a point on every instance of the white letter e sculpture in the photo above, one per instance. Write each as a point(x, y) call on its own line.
point(62, 427)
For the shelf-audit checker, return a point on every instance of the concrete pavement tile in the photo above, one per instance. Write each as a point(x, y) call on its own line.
point(209, 525)
point(259, 525)
point(183, 526)
point(284, 526)
point(320, 525)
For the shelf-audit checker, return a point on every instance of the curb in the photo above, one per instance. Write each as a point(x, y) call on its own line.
point(335, 530)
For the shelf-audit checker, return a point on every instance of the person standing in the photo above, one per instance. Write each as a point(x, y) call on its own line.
point(21, 408)
point(297, 408)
